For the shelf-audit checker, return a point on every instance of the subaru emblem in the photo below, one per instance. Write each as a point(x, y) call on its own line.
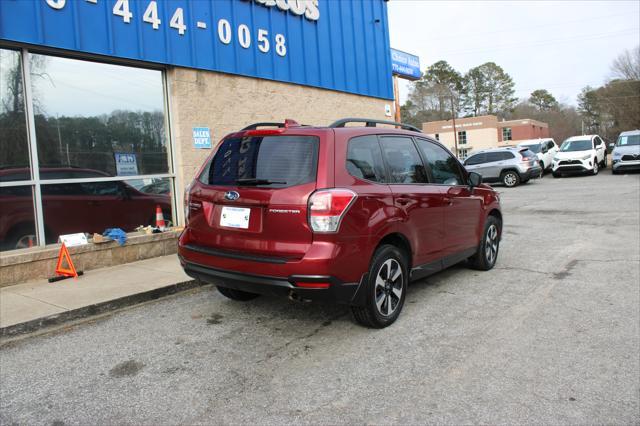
point(231, 195)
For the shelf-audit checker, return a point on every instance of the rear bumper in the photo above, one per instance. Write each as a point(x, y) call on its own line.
point(336, 292)
point(532, 173)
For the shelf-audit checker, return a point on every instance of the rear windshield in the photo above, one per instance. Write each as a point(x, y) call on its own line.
point(274, 161)
point(527, 154)
point(533, 148)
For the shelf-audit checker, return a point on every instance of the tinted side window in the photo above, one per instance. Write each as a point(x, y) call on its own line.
point(494, 156)
point(550, 144)
point(444, 166)
point(364, 158)
point(475, 159)
point(597, 141)
point(405, 165)
point(103, 188)
point(63, 189)
point(507, 155)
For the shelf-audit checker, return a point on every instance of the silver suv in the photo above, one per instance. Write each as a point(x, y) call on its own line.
point(626, 152)
point(510, 166)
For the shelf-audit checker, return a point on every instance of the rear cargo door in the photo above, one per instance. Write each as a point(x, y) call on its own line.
point(254, 196)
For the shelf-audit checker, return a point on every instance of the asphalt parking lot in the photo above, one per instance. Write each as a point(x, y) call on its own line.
point(551, 335)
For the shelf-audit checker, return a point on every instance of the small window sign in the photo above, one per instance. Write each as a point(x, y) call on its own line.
point(72, 240)
point(126, 164)
point(201, 138)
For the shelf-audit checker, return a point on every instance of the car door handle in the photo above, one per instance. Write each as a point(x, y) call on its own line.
point(448, 200)
point(403, 201)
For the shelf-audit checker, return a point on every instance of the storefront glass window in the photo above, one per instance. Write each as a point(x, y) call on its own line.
point(95, 206)
point(97, 120)
point(17, 223)
point(14, 147)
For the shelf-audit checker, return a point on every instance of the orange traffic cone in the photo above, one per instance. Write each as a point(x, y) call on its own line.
point(159, 218)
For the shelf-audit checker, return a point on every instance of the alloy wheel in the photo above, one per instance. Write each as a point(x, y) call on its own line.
point(510, 179)
point(389, 287)
point(491, 244)
point(26, 241)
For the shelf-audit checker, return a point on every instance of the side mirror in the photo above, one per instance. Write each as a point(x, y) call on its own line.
point(545, 150)
point(475, 179)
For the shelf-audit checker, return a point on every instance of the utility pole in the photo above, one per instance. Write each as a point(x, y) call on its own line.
point(59, 138)
point(453, 118)
point(396, 95)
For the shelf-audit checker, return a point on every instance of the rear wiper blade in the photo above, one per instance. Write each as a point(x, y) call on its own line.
point(255, 181)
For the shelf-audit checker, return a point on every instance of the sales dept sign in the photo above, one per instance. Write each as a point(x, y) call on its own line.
point(201, 137)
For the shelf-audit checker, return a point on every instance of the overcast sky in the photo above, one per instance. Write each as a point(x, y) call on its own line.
point(560, 46)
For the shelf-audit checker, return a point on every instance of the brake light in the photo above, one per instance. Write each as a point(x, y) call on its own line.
point(263, 132)
point(327, 207)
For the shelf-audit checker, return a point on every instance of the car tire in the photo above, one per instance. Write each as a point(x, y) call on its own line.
point(19, 237)
point(384, 294)
point(510, 179)
point(234, 294)
point(614, 171)
point(542, 169)
point(604, 162)
point(556, 175)
point(594, 171)
point(487, 251)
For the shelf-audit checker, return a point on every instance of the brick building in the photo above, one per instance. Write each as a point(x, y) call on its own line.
point(476, 133)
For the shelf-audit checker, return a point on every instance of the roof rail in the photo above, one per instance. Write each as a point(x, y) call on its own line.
point(287, 123)
point(254, 126)
point(369, 122)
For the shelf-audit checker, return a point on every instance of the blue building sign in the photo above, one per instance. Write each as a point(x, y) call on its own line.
point(338, 45)
point(201, 137)
point(405, 65)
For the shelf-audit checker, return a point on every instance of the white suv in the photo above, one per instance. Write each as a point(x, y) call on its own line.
point(545, 149)
point(580, 154)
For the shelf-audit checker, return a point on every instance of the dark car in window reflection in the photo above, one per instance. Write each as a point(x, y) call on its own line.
point(74, 207)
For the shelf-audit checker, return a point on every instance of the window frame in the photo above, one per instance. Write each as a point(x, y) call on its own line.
point(461, 169)
point(36, 182)
point(504, 129)
point(462, 134)
point(385, 177)
point(386, 165)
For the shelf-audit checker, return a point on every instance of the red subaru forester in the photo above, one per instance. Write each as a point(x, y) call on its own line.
point(349, 214)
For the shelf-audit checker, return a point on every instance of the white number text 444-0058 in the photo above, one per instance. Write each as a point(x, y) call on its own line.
point(244, 34)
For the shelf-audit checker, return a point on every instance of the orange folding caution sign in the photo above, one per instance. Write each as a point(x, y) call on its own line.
point(65, 272)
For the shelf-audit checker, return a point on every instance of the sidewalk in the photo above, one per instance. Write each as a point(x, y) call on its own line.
point(33, 305)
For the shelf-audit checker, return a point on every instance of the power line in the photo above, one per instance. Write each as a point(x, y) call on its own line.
point(549, 41)
point(555, 24)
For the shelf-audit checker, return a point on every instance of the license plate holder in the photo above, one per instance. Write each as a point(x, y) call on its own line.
point(235, 217)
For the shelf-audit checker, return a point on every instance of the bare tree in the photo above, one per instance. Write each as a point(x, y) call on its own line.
point(627, 65)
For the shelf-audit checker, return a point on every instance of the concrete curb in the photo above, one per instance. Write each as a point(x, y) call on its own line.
point(96, 309)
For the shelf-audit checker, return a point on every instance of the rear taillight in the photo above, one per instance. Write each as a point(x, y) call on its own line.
point(327, 207)
point(189, 205)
